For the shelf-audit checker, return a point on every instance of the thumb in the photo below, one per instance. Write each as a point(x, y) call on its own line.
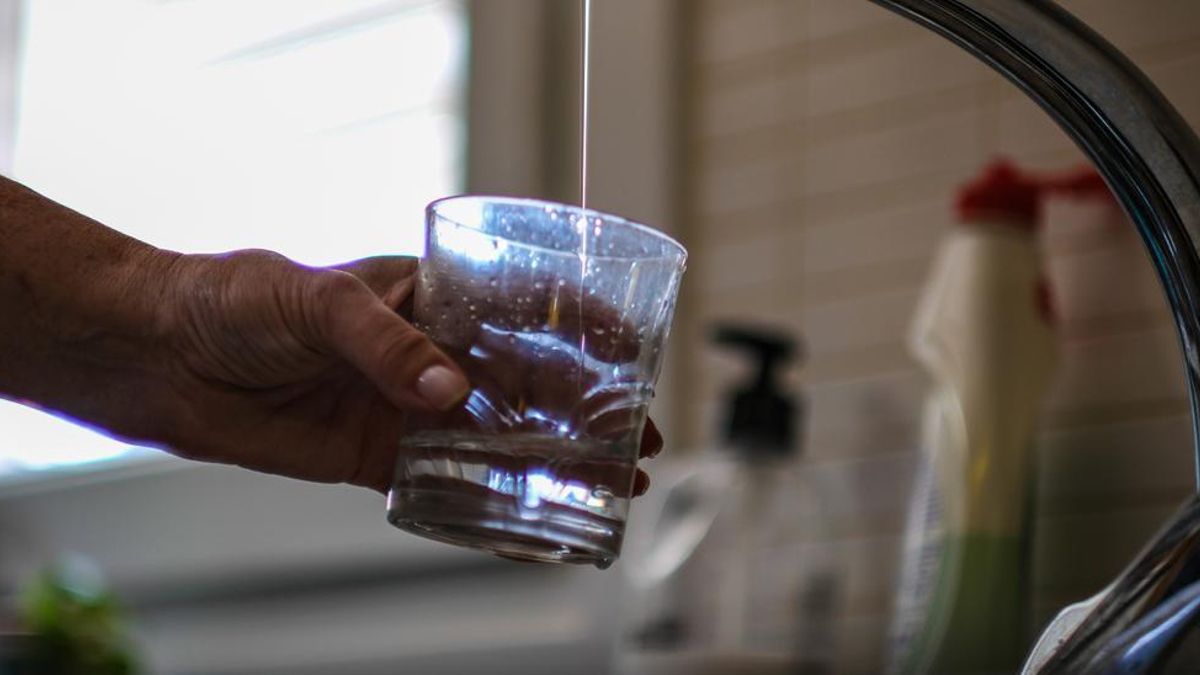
point(399, 359)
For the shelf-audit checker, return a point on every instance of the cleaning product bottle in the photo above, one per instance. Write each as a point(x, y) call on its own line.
point(983, 334)
point(732, 580)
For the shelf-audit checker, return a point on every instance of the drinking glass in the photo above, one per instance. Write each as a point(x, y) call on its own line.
point(558, 316)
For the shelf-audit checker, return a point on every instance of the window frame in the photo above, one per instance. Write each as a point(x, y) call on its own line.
point(139, 461)
point(322, 531)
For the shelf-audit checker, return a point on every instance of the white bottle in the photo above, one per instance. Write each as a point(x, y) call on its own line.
point(730, 579)
point(983, 333)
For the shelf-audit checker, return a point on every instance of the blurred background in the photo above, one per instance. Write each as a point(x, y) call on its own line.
point(805, 151)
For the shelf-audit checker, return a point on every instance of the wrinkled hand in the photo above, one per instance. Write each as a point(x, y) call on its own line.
point(303, 372)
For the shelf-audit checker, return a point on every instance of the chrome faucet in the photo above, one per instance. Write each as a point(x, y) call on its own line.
point(1151, 161)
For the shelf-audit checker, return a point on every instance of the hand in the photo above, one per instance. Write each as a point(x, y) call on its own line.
point(302, 372)
point(245, 358)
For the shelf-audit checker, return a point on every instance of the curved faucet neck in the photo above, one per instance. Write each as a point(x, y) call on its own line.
point(1150, 159)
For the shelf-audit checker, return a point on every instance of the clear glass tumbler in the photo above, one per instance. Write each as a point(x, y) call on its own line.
point(558, 316)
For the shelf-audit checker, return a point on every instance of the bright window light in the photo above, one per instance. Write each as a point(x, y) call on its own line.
point(316, 128)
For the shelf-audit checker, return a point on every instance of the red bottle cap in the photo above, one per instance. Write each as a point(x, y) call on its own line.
point(1001, 193)
point(1080, 183)
point(1005, 195)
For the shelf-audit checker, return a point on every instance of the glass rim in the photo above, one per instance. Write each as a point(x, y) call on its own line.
point(678, 254)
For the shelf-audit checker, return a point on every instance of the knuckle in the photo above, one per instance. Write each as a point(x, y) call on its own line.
point(331, 289)
point(326, 297)
point(258, 256)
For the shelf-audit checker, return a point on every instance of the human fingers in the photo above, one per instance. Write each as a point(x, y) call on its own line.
point(390, 277)
point(400, 360)
point(652, 440)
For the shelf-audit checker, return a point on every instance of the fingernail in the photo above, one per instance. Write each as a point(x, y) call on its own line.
point(442, 387)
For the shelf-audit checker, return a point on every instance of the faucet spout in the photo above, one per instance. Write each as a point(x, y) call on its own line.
point(1150, 158)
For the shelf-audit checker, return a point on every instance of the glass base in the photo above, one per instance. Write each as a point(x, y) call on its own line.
point(498, 524)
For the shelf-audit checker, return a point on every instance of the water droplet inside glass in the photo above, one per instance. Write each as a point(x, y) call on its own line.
point(598, 330)
point(493, 283)
point(602, 493)
point(512, 339)
point(539, 285)
point(471, 308)
point(562, 282)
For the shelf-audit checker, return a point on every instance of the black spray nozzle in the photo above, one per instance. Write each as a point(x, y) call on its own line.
point(771, 348)
point(760, 415)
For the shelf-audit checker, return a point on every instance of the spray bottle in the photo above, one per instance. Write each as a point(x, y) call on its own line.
point(731, 580)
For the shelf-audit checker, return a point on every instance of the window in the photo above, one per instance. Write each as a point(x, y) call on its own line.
point(317, 128)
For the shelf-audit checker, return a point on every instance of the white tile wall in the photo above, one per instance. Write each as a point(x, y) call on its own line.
point(828, 137)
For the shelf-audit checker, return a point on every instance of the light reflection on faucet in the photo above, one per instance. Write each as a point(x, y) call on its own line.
point(1151, 160)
